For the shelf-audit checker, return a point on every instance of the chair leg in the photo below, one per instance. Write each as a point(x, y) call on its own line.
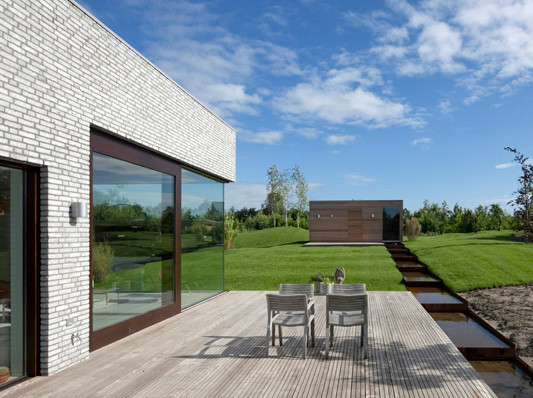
point(273, 335)
point(268, 340)
point(365, 341)
point(280, 336)
point(313, 332)
point(306, 332)
point(327, 340)
point(331, 334)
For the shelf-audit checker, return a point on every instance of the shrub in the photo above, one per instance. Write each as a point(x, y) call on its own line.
point(200, 230)
point(103, 256)
point(230, 232)
point(262, 221)
point(412, 228)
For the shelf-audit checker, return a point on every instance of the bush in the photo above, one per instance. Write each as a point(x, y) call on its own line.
point(200, 230)
point(230, 232)
point(412, 228)
point(448, 229)
point(262, 221)
point(103, 256)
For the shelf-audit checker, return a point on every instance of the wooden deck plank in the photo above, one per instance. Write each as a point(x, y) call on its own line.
point(218, 349)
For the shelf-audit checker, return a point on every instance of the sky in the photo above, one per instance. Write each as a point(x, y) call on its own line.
point(379, 100)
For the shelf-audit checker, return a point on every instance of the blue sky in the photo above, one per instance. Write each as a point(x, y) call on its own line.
point(373, 99)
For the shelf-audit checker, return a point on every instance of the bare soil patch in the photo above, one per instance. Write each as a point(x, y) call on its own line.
point(509, 310)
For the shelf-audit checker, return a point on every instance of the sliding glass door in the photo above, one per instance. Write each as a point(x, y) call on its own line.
point(202, 238)
point(18, 291)
point(135, 239)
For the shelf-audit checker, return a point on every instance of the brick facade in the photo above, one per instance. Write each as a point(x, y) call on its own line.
point(61, 72)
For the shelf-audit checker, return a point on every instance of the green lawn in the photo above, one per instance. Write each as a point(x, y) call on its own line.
point(261, 260)
point(476, 260)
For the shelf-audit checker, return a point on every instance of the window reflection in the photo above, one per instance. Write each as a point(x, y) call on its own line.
point(133, 248)
point(202, 238)
point(11, 274)
point(391, 223)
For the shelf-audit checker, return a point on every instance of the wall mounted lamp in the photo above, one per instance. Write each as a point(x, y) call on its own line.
point(372, 215)
point(318, 216)
point(78, 210)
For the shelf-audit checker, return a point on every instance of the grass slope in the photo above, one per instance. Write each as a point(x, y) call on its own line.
point(263, 259)
point(476, 260)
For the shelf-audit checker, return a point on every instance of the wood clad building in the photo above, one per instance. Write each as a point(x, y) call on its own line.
point(355, 221)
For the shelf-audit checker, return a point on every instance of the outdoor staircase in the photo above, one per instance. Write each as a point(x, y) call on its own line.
point(475, 338)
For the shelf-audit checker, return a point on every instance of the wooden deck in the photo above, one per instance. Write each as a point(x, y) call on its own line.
point(217, 350)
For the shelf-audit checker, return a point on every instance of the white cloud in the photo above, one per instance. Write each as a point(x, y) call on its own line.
point(505, 165)
point(342, 96)
point(358, 179)
point(337, 139)
point(244, 195)
point(487, 45)
point(262, 137)
point(445, 107)
point(187, 41)
point(309, 133)
point(424, 140)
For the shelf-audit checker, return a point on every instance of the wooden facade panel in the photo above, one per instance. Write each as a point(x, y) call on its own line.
point(349, 221)
point(329, 236)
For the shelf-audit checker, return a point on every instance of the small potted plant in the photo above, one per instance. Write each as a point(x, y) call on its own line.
point(317, 279)
point(325, 286)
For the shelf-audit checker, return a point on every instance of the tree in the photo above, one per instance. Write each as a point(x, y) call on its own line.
point(524, 194)
point(496, 215)
point(276, 189)
point(300, 192)
point(468, 221)
point(285, 192)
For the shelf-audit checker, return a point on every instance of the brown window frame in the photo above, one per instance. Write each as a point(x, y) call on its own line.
point(32, 291)
point(111, 146)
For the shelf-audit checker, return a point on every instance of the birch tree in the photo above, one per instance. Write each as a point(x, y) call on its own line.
point(300, 189)
point(275, 191)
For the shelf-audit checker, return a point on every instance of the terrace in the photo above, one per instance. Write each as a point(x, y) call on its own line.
point(217, 349)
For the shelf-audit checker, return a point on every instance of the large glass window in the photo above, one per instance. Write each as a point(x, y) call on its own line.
point(12, 333)
point(391, 223)
point(202, 238)
point(133, 241)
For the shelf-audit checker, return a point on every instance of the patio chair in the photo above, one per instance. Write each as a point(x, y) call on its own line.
point(348, 289)
point(299, 288)
point(290, 311)
point(346, 311)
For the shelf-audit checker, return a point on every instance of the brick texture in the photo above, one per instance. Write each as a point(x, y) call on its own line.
point(61, 72)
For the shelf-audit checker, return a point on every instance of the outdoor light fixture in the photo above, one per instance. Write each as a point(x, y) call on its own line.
point(318, 216)
point(78, 210)
point(372, 215)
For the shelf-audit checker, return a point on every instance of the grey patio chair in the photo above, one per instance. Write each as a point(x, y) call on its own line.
point(348, 289)
point(346, 311)
point(300, 288)
point(290, 311)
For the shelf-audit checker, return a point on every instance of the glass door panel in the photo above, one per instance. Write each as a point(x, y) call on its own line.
point(391, 223)
point(12, 333)
point(202, 238)
point(133, 242)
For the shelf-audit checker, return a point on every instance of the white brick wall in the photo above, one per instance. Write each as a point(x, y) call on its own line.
point(61, 71)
